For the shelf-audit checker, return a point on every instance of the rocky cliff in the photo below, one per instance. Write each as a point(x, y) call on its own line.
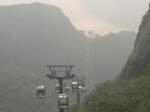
point(140, 57)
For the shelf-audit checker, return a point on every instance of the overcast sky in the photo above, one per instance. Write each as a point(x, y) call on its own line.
point(102, 16)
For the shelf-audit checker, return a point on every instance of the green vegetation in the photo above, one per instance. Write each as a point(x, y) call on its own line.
point(120, 96)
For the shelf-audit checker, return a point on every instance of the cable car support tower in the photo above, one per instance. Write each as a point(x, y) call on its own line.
point(60, 73)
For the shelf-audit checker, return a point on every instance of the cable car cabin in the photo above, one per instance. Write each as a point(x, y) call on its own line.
point(63, 101)
point(74, 86)
point(67, 89)
point(57, 89)
point(82, 88)
point(41, 91)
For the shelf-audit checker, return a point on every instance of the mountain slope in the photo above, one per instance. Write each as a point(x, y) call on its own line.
point(139, 58)
point(34, 35)
point(131, 91)
point(109, 53)
point(118, 96)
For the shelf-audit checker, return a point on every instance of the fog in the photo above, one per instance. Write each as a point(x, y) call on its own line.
point(126, 14)
point(56, 33)
point(102, 16)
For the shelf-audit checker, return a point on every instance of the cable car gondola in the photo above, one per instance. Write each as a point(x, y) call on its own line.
point(82, 88)
point(74, 85)
point(57, 89)
point(67, 89)
point(63, 101)
point(41, 91)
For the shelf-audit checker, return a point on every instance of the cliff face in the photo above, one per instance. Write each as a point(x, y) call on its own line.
point(140, 57)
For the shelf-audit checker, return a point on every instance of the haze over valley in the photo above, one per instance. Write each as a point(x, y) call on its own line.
point(34, 35)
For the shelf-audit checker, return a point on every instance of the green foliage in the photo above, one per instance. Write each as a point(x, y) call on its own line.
point(120, 96)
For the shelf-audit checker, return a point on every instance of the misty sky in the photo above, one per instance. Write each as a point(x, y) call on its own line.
point(102, 16)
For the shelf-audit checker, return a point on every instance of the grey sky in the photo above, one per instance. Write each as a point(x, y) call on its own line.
point(101, 16)
point(126, 14)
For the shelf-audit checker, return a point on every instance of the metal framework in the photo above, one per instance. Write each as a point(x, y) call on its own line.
point(63, 70)
point(60, 73)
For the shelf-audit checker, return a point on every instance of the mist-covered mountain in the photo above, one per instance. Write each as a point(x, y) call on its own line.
point(108, 54)
point(130, 92)
point(34, 35)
